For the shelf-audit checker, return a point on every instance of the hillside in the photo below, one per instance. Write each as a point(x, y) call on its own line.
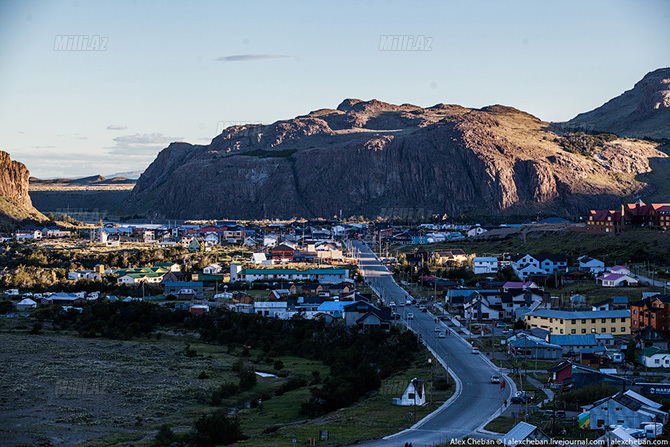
point(642, 112)
point(88, 193)
point(15, 203)
point(372, 158)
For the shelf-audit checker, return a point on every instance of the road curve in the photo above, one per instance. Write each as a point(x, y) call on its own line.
point(479, 400)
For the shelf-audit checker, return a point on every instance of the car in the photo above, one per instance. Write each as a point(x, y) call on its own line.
point(547, 414)
point(475, 350)
point(560, 414)
point(392, 304)
point(401, 303)
point(500, 324)
point(395, 316)
point(519, 398)
point(441, 335)
point(495, 378)
point(410, 316)
point(410, 302)
point(423, 309)
point(438, 328)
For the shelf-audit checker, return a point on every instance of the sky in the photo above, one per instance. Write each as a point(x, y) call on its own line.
point(147, 73)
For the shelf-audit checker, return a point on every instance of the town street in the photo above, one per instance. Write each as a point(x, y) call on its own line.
point(476, 400)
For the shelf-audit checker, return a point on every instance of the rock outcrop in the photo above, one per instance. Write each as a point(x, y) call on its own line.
point(372, 158)
point(15, 201)
point(643, 111)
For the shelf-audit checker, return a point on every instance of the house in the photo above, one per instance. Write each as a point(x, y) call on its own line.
point(198, 309)
point(651, 337)
point(259, 258)
point(138, 278)
point(26, 304)
point(591, 265)
point(277, 309)
point(476, 231)
point(483, 306)
point(615, 302)
point(184, 288)
point(525, 265)
point(524, 433)
point(652, 311)
point(534, 348)
point(655, 357)
point(95, 274)
point(333, 308)
point(484, 265)
point(326, 275)
point(573, 344)
point(578, 300)
point(578, 376)
point(455, 257)
point(580, 322)
point(415, 394)
point(520, 285)
point(616, 280)
point(604, 221)
point(620, 270)
point(212, 269)
point(279, 294)
point(63, 299)
point(28, 235)
point(282, 253)
point(626, 408)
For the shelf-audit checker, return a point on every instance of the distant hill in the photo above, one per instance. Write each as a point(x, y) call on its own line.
point(643, 111)
point(372, 158)
point(15, 203)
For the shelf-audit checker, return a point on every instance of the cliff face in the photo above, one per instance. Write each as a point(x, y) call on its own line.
point(643, 111)
point(14, 180)
point(15, 203)
point(371, 158)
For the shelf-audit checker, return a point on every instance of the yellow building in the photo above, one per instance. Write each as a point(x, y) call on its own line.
point(615, 322)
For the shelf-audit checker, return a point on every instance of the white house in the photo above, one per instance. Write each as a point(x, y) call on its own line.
point(481, 265)
point(212, 269)
point(481, 308)
point(28, 235)
point(269, 241)
point(258, 258)
point(625, 408)
point(271, 308)
point(415, 394)
point(476, 231)
point(617, 280)
point(25, 304)
point(620, 269)
point(587, 264)
point(526, 265)
point(655, 357)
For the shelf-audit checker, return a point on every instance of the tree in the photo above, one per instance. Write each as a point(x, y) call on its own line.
point(216, 429)
point(630, 353)
point(164, 437)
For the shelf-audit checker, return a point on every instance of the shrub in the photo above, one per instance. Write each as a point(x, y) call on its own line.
point(216, 429)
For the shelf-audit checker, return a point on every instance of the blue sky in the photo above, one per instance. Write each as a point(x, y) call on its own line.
point(174, 70)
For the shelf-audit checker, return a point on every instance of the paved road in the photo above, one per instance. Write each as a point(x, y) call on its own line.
point(476, 401)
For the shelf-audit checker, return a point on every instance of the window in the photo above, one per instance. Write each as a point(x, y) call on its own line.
point(583, 321)
point(623, 329)
point(561, 331)
point(583, 331)
point(603, 329)
point(613, 320)
point(613, 329)
point(603, 320)
point(573, 331)
point(593, 320)
point(657, 361)
point(573, 321)
point(623, 320)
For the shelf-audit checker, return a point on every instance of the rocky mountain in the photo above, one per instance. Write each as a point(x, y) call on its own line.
point(15, 203)
point(376, 159)
point(643, 111)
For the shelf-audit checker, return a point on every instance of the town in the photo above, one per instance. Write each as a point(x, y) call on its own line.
point(569, 323)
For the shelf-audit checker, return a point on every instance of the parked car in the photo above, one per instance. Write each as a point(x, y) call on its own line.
point(495, 378)
point(475, 350)
point(547, 414)
point(438, 328)
point(519, 398)
point(410, 316)
point(560, 414)
point(500, 324)
point(441, 335)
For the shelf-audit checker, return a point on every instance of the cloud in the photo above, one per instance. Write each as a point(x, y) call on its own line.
point(249, 57)
point(116, 127)
point(140, 144)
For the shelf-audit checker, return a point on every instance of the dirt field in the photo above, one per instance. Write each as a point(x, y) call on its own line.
point(65, 390)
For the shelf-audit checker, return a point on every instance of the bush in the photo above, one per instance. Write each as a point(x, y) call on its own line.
point(164, 437)
point(278, 365)
point(216, 429)
point(248, 380)
point(224, 391)
point(36, 329)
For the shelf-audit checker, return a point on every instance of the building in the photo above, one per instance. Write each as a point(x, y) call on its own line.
point(534, 348)
point(578, 376)
point(212, 269)
point(580, 322)
point(484, 265)
point(573, 344)
point(625, 408)
point(526, 265)
point(415, 394)
point(651, 312)
point(655, 357)
point(277, 309)
point(587, 264)
point(322, 275)
point(631, 215)
point(524, 433)
point(616, 280)
point(26, 304)
point(178, 288)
